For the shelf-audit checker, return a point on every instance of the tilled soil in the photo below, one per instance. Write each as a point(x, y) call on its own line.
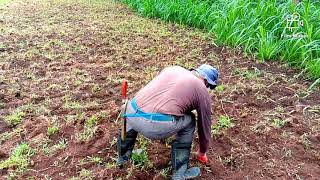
point(62, 62)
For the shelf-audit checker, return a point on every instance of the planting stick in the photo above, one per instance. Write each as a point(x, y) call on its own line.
point(125, 101)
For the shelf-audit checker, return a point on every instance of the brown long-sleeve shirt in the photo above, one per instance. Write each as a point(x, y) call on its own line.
point(177, 91)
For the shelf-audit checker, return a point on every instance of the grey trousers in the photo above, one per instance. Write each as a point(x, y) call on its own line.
point(183, 126)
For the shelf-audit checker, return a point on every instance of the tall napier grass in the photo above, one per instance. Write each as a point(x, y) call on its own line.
point(259, 27)
point(3, 2)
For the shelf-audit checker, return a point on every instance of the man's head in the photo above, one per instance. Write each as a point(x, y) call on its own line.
point(209, 74)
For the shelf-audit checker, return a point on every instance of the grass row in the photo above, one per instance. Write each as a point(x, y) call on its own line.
point(259, 27)
point(3, 2)
point(18, 160)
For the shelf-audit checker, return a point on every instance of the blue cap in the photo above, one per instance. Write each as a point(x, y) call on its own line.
point(209, 73)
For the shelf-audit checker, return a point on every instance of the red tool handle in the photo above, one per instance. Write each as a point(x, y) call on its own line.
point(124, 89)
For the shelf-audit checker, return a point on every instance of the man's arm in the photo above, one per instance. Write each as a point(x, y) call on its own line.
point(204, 121)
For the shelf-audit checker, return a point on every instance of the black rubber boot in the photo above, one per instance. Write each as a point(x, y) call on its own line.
point(125, 147)
point(180, 162)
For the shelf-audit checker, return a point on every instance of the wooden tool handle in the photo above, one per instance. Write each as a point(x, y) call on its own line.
point(124, 90)
point(124, 123)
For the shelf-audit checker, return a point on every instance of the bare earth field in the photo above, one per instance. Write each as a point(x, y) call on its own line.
point(61, 66)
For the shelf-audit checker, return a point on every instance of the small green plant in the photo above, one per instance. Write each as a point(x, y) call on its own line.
point(95, 159)
point(114, 80)
point(15, 118)
point(72, 105)
point(92, 121)
point(52, 130)
point(96, 88)
point(78, 82)
point(5, 136)
point(220, 88)
point(278, 123)
point(224, 122)
point(287, 153)
point(86, 134)
point(62, 144)
point(305, 141)
point(73, 118)
point(142, 141)
point(86, 174)
point(91, 159)
point(19, 158)
point(48, 149)
point(45, 146)
point(229, 161)
point(27, 108)
point(103, 114)
point(279, 109)
point(90, 128)
point(165, 172)
point(139, 157)
point(110, 165)
point(249, 74)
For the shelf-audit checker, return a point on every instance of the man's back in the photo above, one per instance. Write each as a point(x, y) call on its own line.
point(174, 91)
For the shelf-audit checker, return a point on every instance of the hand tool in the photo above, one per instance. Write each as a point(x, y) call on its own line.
point(124, 90)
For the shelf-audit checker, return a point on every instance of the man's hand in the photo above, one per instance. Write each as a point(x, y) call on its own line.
point(202, 157)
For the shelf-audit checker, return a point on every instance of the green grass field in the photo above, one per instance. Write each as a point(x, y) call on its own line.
point(2, 2)
point(261, 28)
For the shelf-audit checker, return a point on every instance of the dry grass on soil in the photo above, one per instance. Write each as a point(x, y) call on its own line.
point(60, 71)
